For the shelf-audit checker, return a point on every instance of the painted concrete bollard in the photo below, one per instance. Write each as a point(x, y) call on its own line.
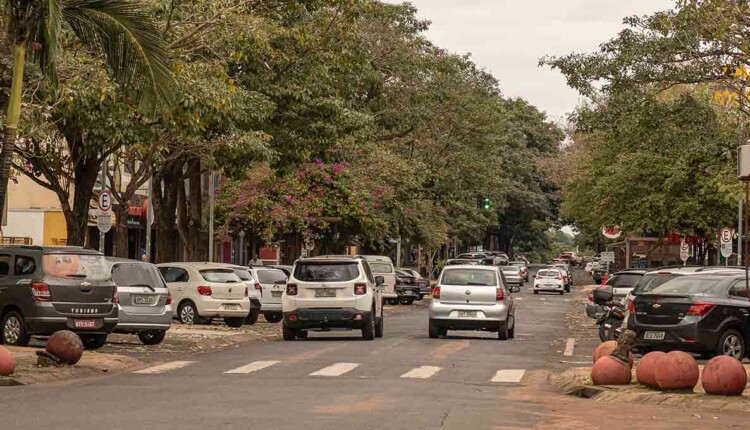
point(607, 348)
point(7, 362)
point(609, 370)
point(645, 371)
point(724, 376)
point(66, 346)
point(677, 370)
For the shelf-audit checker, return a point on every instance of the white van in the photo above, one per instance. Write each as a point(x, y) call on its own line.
point(380, 265)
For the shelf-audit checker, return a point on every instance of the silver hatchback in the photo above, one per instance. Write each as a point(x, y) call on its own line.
point(471, 297)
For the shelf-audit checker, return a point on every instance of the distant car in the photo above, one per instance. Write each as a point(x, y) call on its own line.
point(380, 265)
point(472, 298)
point(203, 291)
point(145, 306)
point(407, 287)
point(549, 279)
point(513, 275)
point(500, 259)
point(255, 291)
point(571, 257)
point(271, 283)
point(461, 262)
point(286, 269)
point(424, 284)
point(524, 266)
point(567, 274)
point(622, 283)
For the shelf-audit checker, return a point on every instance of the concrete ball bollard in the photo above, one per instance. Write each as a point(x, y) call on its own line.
point(724, 376)
point(606, 348)
point(610, 371)
point(677, 370)
point(66, 346)
point(7, 362)
point(645, 371)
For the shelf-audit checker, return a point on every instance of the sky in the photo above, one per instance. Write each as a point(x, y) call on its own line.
point(507, 38)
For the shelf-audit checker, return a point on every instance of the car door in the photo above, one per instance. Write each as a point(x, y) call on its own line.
point(24, 270)
point(177, 279)
point(508, 294)
point(8, 289)
point(377, 290)
point(739, 308)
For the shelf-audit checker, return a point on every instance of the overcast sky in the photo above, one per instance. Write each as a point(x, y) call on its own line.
point(507, 37)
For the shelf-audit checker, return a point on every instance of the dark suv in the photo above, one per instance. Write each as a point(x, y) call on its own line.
point(47, 289)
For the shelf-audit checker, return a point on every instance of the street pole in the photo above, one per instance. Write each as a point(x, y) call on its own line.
point(211, 217)
point(149, 217)
point(744, 230)
point(740, 232)
point(104, 187)
point(398, 252)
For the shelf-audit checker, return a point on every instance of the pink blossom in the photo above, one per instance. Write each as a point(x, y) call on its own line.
point(288, 198)
point(318, 162)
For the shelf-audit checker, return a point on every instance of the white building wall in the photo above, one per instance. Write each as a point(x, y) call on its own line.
point(25, 223)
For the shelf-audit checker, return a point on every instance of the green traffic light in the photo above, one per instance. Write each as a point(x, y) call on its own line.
point(487, 203)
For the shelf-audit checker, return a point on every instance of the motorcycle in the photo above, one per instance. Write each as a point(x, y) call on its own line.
point(610, 323)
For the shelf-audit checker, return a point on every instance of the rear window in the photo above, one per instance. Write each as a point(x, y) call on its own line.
point(548, 274)
point(326, 272)
point(470, 277)
point(80, 266)
point(690, 285)
point(243, 274)
point(219, 275)
point(518, 264)
point(511, 269)
point(271, 276)
point(381, 268)
point(625, 280)
point(649, 282)
point(136, 274)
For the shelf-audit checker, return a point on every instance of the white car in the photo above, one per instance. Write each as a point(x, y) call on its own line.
point(203, 291)
point(271, 283)
point(383, 266)
point(333, 292)
point(254, 291)
point(549, 280)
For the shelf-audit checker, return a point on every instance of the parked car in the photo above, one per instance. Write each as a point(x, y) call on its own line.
point(286, 269)
point(461, 262)
point(407, 287)
point(572, 258)
point(622, 283)
point(524, 266)
point(145, 306)
point(254, 291)
point(203, 291)
point(472, 298)
point(381, 265)
point(567, 274)
point(271, 283)
point(424, 284)
point(47, 289)
point(549, 279)
point(513, 275)
point(334, 292)
point(701, 313)
point(500, 259)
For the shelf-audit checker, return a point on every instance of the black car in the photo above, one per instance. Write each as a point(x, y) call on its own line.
point(407, 287)
point(48, 289)
point(706, 314)
point(424, 284)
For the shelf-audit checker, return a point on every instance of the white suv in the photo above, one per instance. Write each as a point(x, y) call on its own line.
point(333, 292)
point(380, 265)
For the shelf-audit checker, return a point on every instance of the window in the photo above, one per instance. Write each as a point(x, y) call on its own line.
point(244, 274)
point(548, 274)
point(174, 274)
point(649, 282)
point(381, 268)
point(136, 274)
point(271, 276)
point(738, 290)
point(469, 277)
point(24, 266)
point(4, 265)
point(79, 266)
point(625, 280)
point(220, 275)
point(326, 272)
point(368, 273)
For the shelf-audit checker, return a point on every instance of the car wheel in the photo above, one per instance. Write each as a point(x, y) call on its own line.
point(14, 330)
point(93, 341)
point(252, 318)
point(536, 291)
point(368, 329)
point(288, 333)
point(393, 302)
point(433, 330)
point(152, 337)
point(302, 334)
point(512, 329)
point(502, 331)
point(234, 322)
point(731, 343)
point(407, 302)
point(272, 317)
point(562, 292)
point(187, 314)
point(421, 296)
point(379, 327)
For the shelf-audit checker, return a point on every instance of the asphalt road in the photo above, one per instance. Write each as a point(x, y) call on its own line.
point(404, 381)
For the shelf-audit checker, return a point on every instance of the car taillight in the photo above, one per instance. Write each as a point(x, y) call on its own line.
point(499, 294)
point(631, 307)
point(436, 292)
point(169, 298)
point(204, 291)
point(259, 289)
point(360, 289)
point(700, 308)
point(41, 292)
point(291, 289)
point(559, 278)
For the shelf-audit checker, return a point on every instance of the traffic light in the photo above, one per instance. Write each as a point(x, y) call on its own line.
point(486, 203)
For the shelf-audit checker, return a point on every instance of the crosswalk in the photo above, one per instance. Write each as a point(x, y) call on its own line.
point(502, 376)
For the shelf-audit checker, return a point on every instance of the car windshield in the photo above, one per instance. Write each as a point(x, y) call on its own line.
point(548, 274)
point(140, 274)
point(219, 275)
point(78, 266)
point(244, 275)
point(381, 268)
point(511, 269)
point(624, 280)
point(471, 277)
point(649, 282)
point(326, 272)
point(689, 285)
point(271, 276)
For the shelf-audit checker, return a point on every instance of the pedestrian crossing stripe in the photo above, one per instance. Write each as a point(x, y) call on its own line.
point(163, 368)
point(423, 372)
point(508, 376)
point(253, 367)
point(337, 369)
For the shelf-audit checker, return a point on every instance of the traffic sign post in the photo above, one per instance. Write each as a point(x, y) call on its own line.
point(684, 251)
point(607, 257)
point(104, 217)
point(725, 242)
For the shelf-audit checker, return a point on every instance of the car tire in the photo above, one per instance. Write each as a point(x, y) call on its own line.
point(302, 334)
point(512, 329)
point(536, 291)
point(502, 331)
point(368, 327)
point(567, 289)
point(562, 292)
point(433, 330)
point(288, 333)
point(407, 302)
point(188, 313)
point(421, 296)
point(14, 330)
point(272, 317)
point(236, 322)
point(732, 343)
point(252, 318)
point(93, 341)
point(152, 337)
point(393, 302)
point(380, 327)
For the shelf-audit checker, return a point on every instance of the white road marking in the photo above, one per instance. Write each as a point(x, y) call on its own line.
point(570, 347)
point(508, 375)
point(163, 368)
point(337, 369)
point(253, 367)
point(422, 372)
point(518, 298)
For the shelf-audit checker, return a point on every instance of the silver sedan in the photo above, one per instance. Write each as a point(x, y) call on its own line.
point(472, 298)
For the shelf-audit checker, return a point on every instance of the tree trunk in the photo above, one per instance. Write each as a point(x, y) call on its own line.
point(10, 131)
point(121, 231)
point(165, 206)
point(198, 238)
point(84, 179)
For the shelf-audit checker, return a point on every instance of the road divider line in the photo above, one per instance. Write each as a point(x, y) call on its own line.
point(422, 372)
point(253, 367)
point(570, 347)
point(509, 375)
point(337, 369)
point(163, 368)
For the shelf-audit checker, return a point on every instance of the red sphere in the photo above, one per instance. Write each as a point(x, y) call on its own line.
point(607, 348)
point(724, 376)
point(7, 362)
point(677, 370)
point(610, 371)
point(645, 372)
point(66, 346)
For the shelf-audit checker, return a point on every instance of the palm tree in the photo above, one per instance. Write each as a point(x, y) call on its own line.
point(124, 31)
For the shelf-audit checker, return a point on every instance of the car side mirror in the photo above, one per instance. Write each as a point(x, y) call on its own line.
point(379, 280)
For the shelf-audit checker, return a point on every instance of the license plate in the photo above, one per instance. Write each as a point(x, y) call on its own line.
point(144, 300)
point(276, 293)
point(85, 323)
point(409, 293)
point(467, 314)
point(325, 292)
point(653, 335)
point(231, 307)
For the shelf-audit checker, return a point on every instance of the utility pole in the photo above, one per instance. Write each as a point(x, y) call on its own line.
point(104, 187)
point(211, 199)
point(398, 252)
point(149, 218)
